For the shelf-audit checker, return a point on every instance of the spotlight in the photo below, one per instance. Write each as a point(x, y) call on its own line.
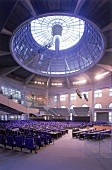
point(85, 97)
point(78, 93)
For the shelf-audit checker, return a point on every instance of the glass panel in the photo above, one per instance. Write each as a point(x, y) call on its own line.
point(73, 96)
point(33, 45)
point(98, 105)
point(42, 30)
point(110, 105)
point(98, 93)
point(71, 107)
point(62, 97)
point(84, 105)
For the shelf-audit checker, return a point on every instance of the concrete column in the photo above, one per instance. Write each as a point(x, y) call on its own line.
point(0, 84)
point(47, 97)
point(24, 97)
point(58, 100)
point(1, 92)
point(92, 105)
point(68, 98)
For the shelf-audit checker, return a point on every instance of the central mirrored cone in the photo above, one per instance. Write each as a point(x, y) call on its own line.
point(57, 45)
point(57, 32)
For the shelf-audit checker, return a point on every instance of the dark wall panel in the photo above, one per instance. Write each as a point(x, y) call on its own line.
point(81, 118)
point(6, 7)
point(102, 116)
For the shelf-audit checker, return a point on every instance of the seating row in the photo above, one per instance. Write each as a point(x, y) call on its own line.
point(91, 134)
point(29, 142)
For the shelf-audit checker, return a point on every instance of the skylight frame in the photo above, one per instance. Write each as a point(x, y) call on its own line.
point(72, 30)
point(81, 57)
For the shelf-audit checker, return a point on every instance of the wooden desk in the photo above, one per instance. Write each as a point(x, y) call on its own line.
point(74, 134)
point(54, 135)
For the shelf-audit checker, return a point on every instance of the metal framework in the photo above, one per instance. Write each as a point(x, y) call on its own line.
point(81, 46)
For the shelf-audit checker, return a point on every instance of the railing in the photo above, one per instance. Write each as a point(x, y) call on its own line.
point(11, 104)
point(17, 93)
point(51, 111)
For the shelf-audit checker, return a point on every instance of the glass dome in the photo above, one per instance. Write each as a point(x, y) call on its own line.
point(57, 45)
point(43, 32)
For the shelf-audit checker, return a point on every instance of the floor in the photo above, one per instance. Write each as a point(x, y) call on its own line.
point(65, 153)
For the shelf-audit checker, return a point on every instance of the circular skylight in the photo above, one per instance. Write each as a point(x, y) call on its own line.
point(57, 45)
point(72, 31)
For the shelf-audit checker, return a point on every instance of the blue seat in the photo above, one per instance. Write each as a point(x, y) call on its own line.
point(10, 141)
point(19, 141)
point(44, 139)
point(96, 136)
point(49, 138)
point(2, 140)
point(30, 135)
point(38, 141)
point(29, 144)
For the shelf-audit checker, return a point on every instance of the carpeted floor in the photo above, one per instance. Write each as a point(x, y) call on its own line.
point(65, 154)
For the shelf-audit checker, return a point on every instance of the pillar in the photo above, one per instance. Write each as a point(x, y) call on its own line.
point(47, 97)
point(58, 100)
point(92, 105)
point(23, 96)
point(69, 99)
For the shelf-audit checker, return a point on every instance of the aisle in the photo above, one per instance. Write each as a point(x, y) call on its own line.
point(65, 154)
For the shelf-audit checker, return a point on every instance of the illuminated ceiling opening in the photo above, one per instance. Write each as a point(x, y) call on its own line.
point(68, 29)
point(57, 45)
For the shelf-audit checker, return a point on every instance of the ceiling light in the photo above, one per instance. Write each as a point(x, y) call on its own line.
point(39, 98)
point(40, 82)
point(80, 82)
point(100, 76)
point(56, 84)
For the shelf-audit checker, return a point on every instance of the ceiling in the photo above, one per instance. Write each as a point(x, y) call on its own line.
point(14, 13)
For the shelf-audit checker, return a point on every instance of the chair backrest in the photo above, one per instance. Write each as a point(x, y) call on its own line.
point(29, 143)
point(10, 140)
point(30, 135)
point(2, 139)
point(19, 140)
point(38, 139)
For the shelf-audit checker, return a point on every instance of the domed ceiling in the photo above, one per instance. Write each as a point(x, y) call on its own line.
point(57, 45)
point(55, 41)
